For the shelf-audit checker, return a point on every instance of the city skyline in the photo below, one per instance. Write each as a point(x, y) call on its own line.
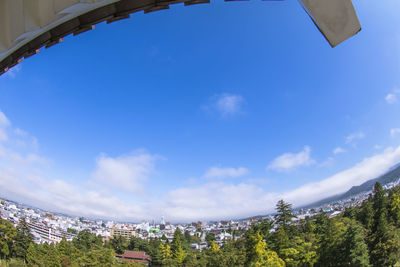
point(212, 119)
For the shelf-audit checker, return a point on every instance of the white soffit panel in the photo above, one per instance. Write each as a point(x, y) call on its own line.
point(23, 20)
point(336, 19)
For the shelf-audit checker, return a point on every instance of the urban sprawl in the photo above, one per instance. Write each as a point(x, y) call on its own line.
point(52, 228)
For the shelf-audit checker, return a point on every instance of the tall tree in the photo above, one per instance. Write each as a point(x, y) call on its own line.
point(331, 242)
point(68, 252)
point(51, 256)
point(8, 234)
point(154, 251)
point(86, 240)
point(209, 238)
point(118, 244)
point(394, 210)
point(263, 256)
point(379, 204)
point(264, 227)
point(300, 253)
point(178, 252)
point(215, 258)
point(285, 214)
point(382, 243)
point(366, 214)
point(34, 257)
point(166, 255)
point(22, 240)
point(280, 239)
point(355, 250)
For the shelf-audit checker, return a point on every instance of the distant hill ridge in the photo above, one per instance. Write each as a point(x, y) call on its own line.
point(391, 176)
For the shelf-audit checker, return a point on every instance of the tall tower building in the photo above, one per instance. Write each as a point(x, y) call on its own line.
point(162, 224)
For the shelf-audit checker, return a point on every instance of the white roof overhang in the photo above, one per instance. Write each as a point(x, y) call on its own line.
point(28, 25)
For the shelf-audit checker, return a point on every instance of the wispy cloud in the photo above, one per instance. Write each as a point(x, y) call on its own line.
point(392, 97)
point(127, 172)
point(290, 161)
point(217, 172)
point(9, 154)
point(4, 123)
point(350, 139)
point(338, 150)
point(394, 132)
point(226, 105)
point(328, 162)
point(20, 132)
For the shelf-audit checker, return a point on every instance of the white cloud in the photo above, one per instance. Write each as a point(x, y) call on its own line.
point(4, 122)
point(391, 98)
point(17, 159)
point(229, 104)
point(205, 202)
point(20, 132)
point(289, 161)
point(354, 136)
point(127, 172)
point(367, 169)
point(217, 172)
point(226, 105)
point(26, 183)
point(23, 139)
point(338, 150)
point(394, 132)
point(3, 135)
point(24, 177)
point(217, 201)
point(224, 200)
point(61, 196)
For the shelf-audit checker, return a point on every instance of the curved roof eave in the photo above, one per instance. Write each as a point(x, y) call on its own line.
point(28, 25)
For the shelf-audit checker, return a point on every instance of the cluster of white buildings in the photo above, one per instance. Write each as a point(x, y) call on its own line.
point(52, 228)
point(45, 226)
point(222, 230)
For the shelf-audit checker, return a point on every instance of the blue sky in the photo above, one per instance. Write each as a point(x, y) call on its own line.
point(202, 112)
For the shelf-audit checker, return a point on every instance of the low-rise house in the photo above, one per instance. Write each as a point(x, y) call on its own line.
point(136, 256)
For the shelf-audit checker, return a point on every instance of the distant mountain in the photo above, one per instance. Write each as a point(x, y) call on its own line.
point(391, 176)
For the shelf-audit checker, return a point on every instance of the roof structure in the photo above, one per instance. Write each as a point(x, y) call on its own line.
point(28, 25)
point(138, 256)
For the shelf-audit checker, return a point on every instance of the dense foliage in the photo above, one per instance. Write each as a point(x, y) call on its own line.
point(368, 235)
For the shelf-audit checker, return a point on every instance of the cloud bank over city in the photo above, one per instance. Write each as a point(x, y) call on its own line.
point(25, 176)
